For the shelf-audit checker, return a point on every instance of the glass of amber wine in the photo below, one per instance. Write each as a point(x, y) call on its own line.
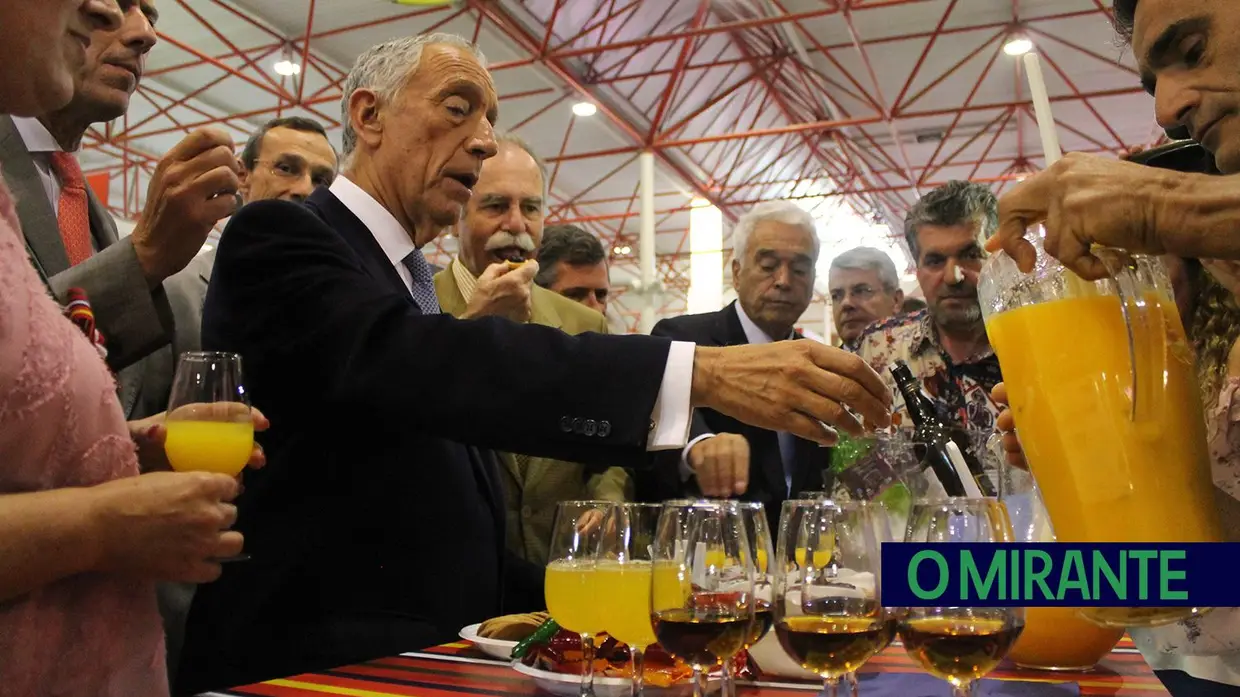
point(702, 585)
point(571, 588)
point(623, 572)
point(960, 644)
point(828, 613)
point(758, 531)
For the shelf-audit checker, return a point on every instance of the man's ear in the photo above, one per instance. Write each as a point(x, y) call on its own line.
point(899, 298)
point(244, 177)
point(366, 117)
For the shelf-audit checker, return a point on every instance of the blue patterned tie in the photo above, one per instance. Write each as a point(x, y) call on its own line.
point(423, 283)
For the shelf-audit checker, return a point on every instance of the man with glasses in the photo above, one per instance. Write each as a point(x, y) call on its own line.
point(865, 289)
point(945, 345)
point(285, 159)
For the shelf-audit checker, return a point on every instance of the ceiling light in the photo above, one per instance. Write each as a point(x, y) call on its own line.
point(287, 68)
point(424, 3)
point(1018, 46)
point(584, 109)
point(699, 203)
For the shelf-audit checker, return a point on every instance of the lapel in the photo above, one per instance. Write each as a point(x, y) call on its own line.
point(339, 218)
point(451, 300)
point(38, 219)
point(102, 226)
point(542, 308)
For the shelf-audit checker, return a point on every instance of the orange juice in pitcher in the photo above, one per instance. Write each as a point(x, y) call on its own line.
point(1102, 385)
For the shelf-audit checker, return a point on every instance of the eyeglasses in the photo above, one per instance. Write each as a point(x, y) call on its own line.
point(286, 169)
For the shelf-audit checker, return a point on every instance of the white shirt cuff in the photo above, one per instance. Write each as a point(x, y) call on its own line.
point(672, 409)
point(686, 472)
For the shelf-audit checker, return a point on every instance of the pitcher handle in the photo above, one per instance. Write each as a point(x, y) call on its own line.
point(1142, 333)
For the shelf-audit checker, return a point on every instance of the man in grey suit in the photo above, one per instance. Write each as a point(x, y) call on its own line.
point(71, 237)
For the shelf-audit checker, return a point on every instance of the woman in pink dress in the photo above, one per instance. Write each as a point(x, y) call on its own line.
point(82, 536)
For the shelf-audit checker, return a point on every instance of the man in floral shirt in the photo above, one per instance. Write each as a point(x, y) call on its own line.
point(945, 345)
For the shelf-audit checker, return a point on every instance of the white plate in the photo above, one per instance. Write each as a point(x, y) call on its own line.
point(496, 648)
point(563, 685)
point(773, 660)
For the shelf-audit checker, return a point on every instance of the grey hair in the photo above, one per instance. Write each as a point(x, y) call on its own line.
point(518, 142)
point(954, 203)
point(386, 67)
point(570, 244)
point(785, 212)
point(870, 259)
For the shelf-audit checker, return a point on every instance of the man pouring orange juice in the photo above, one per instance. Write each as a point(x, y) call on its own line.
point(1188, 52)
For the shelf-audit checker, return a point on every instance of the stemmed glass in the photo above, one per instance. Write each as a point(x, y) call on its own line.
point(960, 644)
point(758, 531)
point(828, 614)
point(571, 581)
point(702, 585)
point(210, 427)
point(623, 571)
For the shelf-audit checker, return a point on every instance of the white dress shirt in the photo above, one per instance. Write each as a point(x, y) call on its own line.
point(39, 143)
point(753, 335)
point(672, 410)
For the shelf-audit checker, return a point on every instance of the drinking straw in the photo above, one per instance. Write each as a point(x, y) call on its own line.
point(1042, 109)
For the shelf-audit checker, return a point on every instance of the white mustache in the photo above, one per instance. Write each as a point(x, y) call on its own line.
point(504, 239)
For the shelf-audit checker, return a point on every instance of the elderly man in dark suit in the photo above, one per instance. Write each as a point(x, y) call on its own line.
point(375, 528)
point(775, 248)
point(72, 238)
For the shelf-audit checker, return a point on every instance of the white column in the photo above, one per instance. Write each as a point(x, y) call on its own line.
point(645, 243)
point(705, 257)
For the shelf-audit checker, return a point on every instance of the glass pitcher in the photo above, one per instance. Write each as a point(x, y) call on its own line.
point(1103, 388)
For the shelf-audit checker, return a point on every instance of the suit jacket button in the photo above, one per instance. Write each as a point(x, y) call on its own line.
point(604, 429)
point(578, 426)
point(566, 424)
point(591, 427)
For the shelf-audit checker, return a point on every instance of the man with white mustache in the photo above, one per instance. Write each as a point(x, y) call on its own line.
point(502, 226)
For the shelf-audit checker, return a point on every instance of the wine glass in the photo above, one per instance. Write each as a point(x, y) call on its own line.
point(828, 614)
point(571, 588)
point(209, 424)
point(758, 531)
point(623, 571)
point(702, 585)
point(210, 428)
point(960, 644)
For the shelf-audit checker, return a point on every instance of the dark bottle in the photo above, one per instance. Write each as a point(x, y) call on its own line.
point(935, 440)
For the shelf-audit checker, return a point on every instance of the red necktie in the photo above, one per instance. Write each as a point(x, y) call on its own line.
point(72, 211)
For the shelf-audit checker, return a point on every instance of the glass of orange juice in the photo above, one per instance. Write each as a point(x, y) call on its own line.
point(624, 580)
point(210, 428)
point(571, 588)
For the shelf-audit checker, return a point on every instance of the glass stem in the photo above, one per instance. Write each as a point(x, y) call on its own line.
point(638, 656)
point(699, 682)
point(830, 687)
point(587, 665)
point(964, 689)
point(852, 682)
point(727, 688)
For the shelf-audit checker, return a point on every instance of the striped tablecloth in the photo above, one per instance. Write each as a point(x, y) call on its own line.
point(453, 670)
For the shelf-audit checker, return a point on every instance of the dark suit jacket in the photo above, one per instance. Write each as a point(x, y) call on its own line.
point(766, 469)
point(373, 529)
point(136, 322)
